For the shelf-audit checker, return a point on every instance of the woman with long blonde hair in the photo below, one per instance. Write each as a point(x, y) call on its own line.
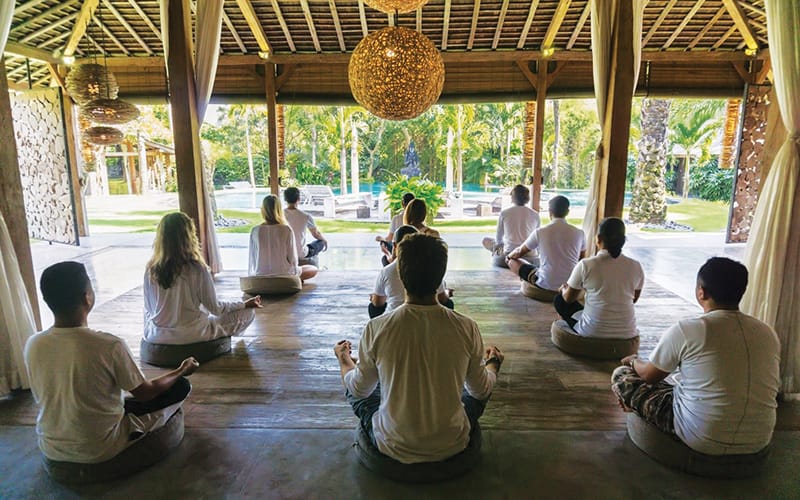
point(177, 282)
point(273, 251)
point(415, 214)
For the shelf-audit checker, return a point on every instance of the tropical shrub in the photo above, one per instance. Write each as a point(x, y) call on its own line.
point(424, 189)
point(710, 182)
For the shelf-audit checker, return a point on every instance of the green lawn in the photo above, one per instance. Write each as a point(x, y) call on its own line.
point(702, 216)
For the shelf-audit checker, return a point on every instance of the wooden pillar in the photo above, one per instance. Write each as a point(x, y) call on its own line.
point(538, 141)
point(183, 106)
point(12, 203)
point(144, 169)
point(272, 128)
point(616, 129)
point(130, 164)
point(75, 158)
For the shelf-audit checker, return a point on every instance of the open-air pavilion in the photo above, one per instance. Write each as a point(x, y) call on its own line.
point(269, 420)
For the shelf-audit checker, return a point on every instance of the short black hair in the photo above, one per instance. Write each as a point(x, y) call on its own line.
point(520, 195)
point(407, 198)
point(291, 195)
point(612, 233)
point(724, 279)
point(402, 232)
point(422, 262)
point(559, 206)
point(64, 285)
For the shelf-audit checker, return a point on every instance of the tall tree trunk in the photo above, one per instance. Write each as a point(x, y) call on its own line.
point(280, 118)
point(249, 147)
point(342, 152)
point(354, 188)
point(687, 163)
point(314, 145)
point(556, 140)
point(528, 139)
point(102, 170)
point(460, 149)
point(379, 135)
point(726, 159)
point(448, 175)
point(648, 203)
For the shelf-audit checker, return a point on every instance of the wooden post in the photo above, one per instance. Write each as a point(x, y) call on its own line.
point(272, 128)
point(75, 158)
point(538, 142)
point(527, 148)
point(130, 164)
point(12, 202)
point(183, 106)
point(616, 129)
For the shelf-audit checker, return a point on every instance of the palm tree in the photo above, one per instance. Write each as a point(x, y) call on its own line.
point(649, 194)
point(692, 124)
point(732, 109)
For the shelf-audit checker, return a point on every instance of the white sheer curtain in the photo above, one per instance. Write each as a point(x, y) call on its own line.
point(605, 35)
point(773, 247)
point(16, 314)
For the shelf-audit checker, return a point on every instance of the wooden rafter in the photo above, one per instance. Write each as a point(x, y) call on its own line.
point(43, 16)
point(284, 27)
point(500, 21)
point(81, 24)
point(127, 26)
point(555, 23)
point(255, 25)
point(683, 24)
point(476, 10)
point(579, 27)
point(113, 38)
point(419, 19)
point(44, 30)
point(57, 76)
point(363, 16)
point(529, 75)
point(29, 5)
point(310, 23)
point(753, 8)
point(54, 40)
point(740, 21)
point(724, 37)
point(707, 27)
point(145, 18)
point(24, 51)
point(337, 25)
point(657, 24)
point(445, 23)
point(232, 28)
point(528, 22)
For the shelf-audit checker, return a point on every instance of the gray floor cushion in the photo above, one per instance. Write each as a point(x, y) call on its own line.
point(671, 452)
point(151, 448)
point(536, 293)
point(570, 342)
point(171, 355)
point(270, 285)
point(426, 472)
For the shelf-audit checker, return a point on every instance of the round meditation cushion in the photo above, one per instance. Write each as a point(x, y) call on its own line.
point(423, 472)
point(672, 452)
point(570, 342)
point(536, 293)
point(270, 285)
point(149, 449)
point(171, 355)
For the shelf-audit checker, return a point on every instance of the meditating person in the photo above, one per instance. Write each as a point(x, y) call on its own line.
point(514, 226)
point(560, 245)
point(415, 214)
point(273, 248)
point(612, 282)
point(387, 243)
point(423, 377)
point(723, 399)
point(389, 293)
point(299, 221)
point(78, 376)
point(180, 302)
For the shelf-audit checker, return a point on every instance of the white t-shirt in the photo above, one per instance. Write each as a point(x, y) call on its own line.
point(727, 381)
point(299, 221)
point(514, 226)
point(77, 377)
point(389, 285)
point(560, 245)
point(610, 285)
point(175, 316)
point(423, 357)
point(273, 251)
point(397, 221)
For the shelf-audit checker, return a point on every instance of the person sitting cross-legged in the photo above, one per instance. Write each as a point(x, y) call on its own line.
point(389, 293)
point(423, 378)
point(514, 226)
point(299, 222)
point(415, 214)
point(723, 400)
point(78, 376)
point(387, 243)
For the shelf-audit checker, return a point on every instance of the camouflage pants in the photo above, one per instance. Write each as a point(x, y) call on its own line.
point(651, 402)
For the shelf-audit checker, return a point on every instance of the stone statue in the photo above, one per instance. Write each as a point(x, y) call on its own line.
point(411, 162)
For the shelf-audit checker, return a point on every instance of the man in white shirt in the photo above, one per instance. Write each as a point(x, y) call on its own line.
point(299, 222)
point(423, 378)
point(560, 246)
point(78, 376)
point(387, 243)
point(726, 371)
point(514, 225)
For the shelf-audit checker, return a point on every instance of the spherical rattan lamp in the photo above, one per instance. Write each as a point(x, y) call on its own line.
point(109, 112)
point(396, 73)
point(103, 136)
point(396, 6)
point(86, 82)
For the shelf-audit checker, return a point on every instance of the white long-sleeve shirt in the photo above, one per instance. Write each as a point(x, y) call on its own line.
point(423, 357)
point(179, 314)
point(272, 251)
point(514, 226)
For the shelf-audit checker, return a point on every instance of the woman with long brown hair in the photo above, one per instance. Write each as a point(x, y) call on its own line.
point(177, 283)
point(415, 214)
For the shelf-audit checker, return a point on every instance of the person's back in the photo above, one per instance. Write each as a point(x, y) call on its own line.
point(518, 222)
point(560, 247)
point(298, 221)
point(273, 251)
point(389, 285)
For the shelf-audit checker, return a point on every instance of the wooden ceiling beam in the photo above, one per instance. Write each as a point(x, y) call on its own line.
point(753, 8)
point(707, 27)
point(43, 15)
point(232, 28)
point(57, 76)
point(525, 29)
point(724, 37)
point(445, 23)
point(310, 23)
point(55, 39)
point(127, 26)
point(81, 24)
point(284, 26)
point(657, 23)
point(419, 19)
point(579, 27)
point(145, 18)
point(46, 29)
point(476, 10)
point(363, 17)
point(555, 24)
point(529, 75)
point(683, 24)
point(254, 24)
point(337, 25)
point(113, 38)
point(29, 5)
point(25, 51)
point(740, 21)
point(500, 20)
